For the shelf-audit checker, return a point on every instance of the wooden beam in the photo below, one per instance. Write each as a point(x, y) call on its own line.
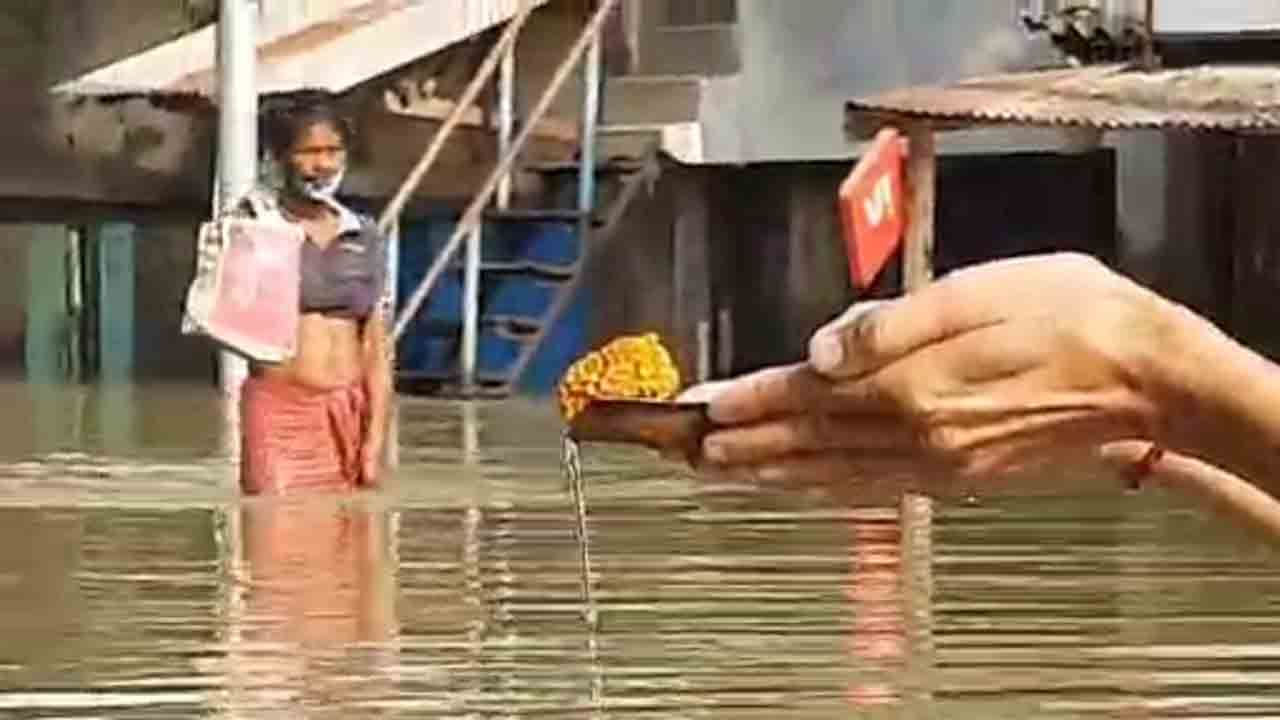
point(916, 511)
point(922, 164)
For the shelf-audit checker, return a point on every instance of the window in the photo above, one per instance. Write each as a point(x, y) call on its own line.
point(685, 13)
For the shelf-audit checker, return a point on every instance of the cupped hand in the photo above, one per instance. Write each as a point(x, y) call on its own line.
point(996, 368)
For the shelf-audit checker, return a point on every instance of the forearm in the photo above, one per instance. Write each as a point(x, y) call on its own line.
point(1219, 401)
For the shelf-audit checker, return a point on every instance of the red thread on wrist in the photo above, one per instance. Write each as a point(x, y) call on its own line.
point(1145, 466)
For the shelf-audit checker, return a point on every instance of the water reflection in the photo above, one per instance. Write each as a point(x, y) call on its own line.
point(877, 636)
point(134, 583)
point(310, 607)
point(889, 590)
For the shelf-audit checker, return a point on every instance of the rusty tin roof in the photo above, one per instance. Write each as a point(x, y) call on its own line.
point(1240, 99)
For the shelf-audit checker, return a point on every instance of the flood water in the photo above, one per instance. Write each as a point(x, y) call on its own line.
point(134, 583)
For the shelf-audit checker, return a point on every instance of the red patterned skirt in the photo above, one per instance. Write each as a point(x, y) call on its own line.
point(298, 438)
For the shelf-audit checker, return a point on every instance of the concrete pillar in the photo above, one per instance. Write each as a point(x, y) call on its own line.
point(116, 255)
point(115, 263)
point(48, 322)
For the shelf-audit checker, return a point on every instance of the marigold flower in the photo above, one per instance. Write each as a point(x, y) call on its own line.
point(628, 368)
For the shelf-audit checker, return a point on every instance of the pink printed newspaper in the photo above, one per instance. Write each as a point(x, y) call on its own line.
point(245, 291)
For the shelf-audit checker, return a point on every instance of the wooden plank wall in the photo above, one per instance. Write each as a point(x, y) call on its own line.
point(1255, 245)
point(736, 267)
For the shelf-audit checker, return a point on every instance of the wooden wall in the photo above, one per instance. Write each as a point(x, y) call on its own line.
point(782, 255)
point(1248, 244)
point(736, 267)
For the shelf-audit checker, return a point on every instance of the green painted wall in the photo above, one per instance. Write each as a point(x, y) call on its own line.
point(116, 256)
point(48, 326)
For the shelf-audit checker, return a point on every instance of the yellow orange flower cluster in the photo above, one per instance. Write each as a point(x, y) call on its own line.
point(628, 368)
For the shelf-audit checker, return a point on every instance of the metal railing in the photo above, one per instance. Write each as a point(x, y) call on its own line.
point(501, 49)
point(498, 181)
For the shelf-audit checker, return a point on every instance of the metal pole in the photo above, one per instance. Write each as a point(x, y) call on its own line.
point(590, 117)
point(506, 118)
point(472, 216)
point(236, 159)
point(237, 141)
point(389, 313)
point(75, 303)
point(1149, 48)
point(471, 309)
point(475, 239)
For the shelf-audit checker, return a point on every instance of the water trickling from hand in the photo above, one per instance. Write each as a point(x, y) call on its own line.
point(571, 464)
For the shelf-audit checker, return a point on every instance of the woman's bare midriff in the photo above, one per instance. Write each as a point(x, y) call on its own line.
point(328, 355)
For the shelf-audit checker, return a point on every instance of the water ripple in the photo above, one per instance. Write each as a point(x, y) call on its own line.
point(135, 584)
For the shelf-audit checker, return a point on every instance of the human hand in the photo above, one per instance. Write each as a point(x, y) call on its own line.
point(370, 463)
point(1232, 497)
point(992, 369)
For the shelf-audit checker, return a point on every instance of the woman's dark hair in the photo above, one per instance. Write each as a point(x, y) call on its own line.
point(282, 119)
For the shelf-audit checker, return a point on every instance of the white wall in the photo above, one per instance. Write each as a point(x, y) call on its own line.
point(1217, 16)
point(801, 60)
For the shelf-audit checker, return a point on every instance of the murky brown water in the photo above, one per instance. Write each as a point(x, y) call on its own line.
point(135, 584)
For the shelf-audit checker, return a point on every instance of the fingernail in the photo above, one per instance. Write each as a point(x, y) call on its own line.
point(694, 394)
point(720, 413)
point(826, 352)
point(703, 393)
point(770, 474)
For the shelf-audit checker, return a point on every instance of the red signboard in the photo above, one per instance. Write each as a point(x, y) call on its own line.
point(872, 209)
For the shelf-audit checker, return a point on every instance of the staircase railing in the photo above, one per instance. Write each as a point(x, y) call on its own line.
point(469, 225)
point(500, 51)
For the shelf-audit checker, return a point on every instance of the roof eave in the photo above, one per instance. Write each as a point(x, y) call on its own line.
point(1102, 98)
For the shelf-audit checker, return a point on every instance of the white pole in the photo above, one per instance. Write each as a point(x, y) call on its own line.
point(590, 112)
point(237, 147)
point(237, 170)
point(392, 290)
point(506, 118)
point(475, 240)
point(471, 309)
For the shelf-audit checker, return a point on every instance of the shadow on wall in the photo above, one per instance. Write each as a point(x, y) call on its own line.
point(165, 261)
point(13, 262)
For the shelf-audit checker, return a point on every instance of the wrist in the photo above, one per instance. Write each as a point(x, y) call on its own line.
point(1202, 383)
point(1172, 388)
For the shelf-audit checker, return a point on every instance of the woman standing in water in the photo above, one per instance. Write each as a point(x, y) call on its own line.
point(319, 420)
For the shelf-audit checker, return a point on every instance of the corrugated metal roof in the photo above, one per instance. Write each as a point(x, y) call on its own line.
point(1207, 98)
point(344, 44)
